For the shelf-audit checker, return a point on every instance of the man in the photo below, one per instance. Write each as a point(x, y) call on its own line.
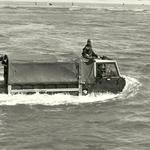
point(88, 52)
point(4, 59)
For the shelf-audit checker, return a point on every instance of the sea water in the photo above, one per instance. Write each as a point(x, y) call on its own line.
point(63, 122)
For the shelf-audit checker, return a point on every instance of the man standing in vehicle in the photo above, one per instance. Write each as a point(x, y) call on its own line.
point(88, 53)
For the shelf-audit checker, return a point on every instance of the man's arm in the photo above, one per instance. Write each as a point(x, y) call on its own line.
point(94, 55)
point(84, 53)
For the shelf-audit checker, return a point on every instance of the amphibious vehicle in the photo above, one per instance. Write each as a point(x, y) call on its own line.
point(78, 77)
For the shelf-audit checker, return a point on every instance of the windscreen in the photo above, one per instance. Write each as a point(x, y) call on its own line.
point(106, 70)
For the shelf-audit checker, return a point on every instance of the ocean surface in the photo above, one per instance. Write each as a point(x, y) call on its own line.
point(63, 122)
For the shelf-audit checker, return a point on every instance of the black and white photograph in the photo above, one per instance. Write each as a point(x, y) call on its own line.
point(74, 74)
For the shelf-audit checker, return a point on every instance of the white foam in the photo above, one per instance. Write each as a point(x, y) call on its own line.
point(56, 99)
point(130, 89)
point(1, 78)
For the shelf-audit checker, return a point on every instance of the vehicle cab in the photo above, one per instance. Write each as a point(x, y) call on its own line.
point(107, 69)
point(106, 77)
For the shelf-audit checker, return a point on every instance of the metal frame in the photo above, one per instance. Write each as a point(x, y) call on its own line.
point(105, 61)
point(77, 89)
point(80, 81)
point(10, 91)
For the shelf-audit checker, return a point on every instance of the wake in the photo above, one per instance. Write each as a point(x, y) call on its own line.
point(131, 89)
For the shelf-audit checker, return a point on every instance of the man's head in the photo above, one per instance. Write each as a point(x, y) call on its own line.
point(89, 42)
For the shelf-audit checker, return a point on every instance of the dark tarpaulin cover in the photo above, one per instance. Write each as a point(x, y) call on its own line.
point(42, 73)
point(48, 69)
point(87, 72)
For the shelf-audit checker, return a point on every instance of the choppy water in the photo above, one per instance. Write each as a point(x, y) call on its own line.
point(94, 122)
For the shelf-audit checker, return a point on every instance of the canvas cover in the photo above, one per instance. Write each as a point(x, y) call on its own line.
point(87, 72)
point(49, 70)
point(42, 73)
